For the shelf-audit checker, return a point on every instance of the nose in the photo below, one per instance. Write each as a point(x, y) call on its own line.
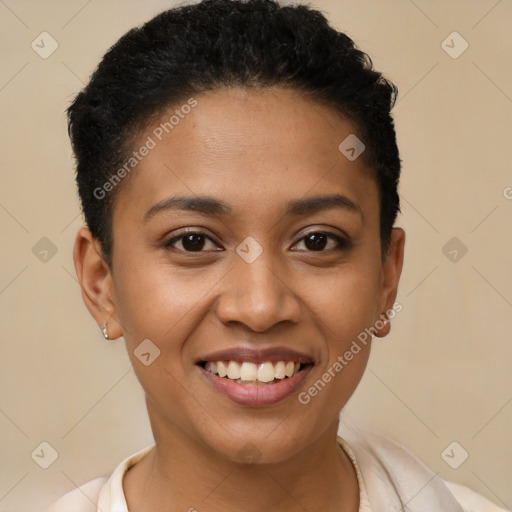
point(256, 295)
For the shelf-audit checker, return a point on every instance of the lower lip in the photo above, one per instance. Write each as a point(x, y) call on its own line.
point(256, 395)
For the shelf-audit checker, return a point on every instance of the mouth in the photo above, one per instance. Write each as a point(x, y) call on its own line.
point(251, 374)
point(255, 378)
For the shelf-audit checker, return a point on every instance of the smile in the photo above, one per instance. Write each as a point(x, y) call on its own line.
point(255, 378)
point(252, 374)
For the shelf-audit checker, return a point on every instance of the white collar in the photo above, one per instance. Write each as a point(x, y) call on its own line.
point(112, 497)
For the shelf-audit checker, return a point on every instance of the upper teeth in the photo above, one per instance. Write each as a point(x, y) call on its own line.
point(264, 372)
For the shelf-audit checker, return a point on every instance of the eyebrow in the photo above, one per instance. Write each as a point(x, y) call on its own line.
point(207, 205)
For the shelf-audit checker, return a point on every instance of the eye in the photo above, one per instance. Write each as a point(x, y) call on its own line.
point(318, 241)
point(191, 241)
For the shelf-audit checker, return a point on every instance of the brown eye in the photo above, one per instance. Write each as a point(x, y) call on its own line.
point(190, 242)
point(193, 242)
point(318, 241)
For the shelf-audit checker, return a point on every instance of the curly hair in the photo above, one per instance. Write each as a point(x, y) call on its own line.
point(213, 44)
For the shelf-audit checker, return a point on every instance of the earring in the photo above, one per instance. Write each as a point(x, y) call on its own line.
point(104, 329)
point(384, 320)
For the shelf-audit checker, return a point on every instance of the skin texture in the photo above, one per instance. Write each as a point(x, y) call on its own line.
point(255, 151)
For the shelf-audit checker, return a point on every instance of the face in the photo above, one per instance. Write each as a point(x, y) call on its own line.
point(245, 243)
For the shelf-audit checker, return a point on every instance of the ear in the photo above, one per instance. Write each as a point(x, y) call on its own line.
point(96, 282)
point(390, 276)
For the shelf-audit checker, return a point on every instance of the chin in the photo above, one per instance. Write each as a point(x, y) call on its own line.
point(257, 445)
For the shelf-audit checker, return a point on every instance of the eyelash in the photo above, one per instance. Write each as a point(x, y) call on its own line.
point(343, 243)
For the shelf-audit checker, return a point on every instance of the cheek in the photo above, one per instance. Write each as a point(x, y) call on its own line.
point(344, 311)
point(347, 302)
point(155, 300)
point(347, 310)
point(164, 305)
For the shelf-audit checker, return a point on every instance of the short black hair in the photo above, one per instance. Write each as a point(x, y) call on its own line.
point(224, 43)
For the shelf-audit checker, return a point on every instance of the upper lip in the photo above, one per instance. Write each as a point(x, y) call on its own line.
point(257, 356)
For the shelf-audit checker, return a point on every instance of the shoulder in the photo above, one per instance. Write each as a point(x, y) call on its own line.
point(101, 493)
point(470, 500)
point(81, 499)
point(394, 475)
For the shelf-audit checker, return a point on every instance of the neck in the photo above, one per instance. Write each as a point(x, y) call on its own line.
point(181, 474)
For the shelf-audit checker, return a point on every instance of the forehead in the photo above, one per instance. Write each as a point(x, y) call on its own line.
point(251, 148)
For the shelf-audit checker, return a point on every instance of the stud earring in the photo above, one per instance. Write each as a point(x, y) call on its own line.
point(104, 329)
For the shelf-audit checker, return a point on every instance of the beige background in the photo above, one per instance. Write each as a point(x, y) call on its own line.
point(443, 374)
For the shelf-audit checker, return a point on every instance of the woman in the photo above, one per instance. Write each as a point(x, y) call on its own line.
point(238, 169)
